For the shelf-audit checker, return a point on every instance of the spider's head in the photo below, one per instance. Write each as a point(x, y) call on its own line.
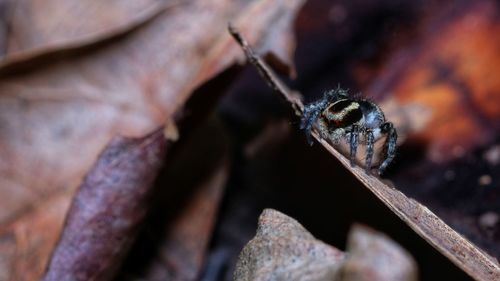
point(343, 113)
point(336, 95)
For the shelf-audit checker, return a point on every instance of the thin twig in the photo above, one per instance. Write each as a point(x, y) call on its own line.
point(266, 72)
point(425, 223)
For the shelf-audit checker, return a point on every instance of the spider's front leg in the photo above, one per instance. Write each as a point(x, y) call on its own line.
point(353, 142)
point(389, 146)
point(370, 140)
point(309, 117)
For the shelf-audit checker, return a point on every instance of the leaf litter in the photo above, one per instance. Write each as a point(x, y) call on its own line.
point(66, 94)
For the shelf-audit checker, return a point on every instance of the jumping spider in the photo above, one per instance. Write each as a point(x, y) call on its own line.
point(339, 115)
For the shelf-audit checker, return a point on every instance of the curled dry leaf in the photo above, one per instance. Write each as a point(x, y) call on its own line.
point(58, 115)
point(107, 209)
point(424, 222)
point(283, 249)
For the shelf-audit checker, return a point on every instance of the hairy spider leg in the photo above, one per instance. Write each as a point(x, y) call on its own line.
point(389, 146)
point(311, 113)
point(323, 129)
point(354, 143)
point(370, 140)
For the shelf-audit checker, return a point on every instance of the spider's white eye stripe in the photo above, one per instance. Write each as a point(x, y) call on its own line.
point(340, 109)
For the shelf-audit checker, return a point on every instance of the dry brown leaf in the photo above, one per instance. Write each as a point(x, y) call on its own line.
point(106, 210)
point(56, 117)
point(181, 211)
point(425, 223)
point(283, 249)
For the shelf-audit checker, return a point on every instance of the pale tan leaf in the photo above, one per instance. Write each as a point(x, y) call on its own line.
point(57, 113)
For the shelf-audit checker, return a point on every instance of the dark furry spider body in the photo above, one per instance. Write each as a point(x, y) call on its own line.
point(340, 116)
